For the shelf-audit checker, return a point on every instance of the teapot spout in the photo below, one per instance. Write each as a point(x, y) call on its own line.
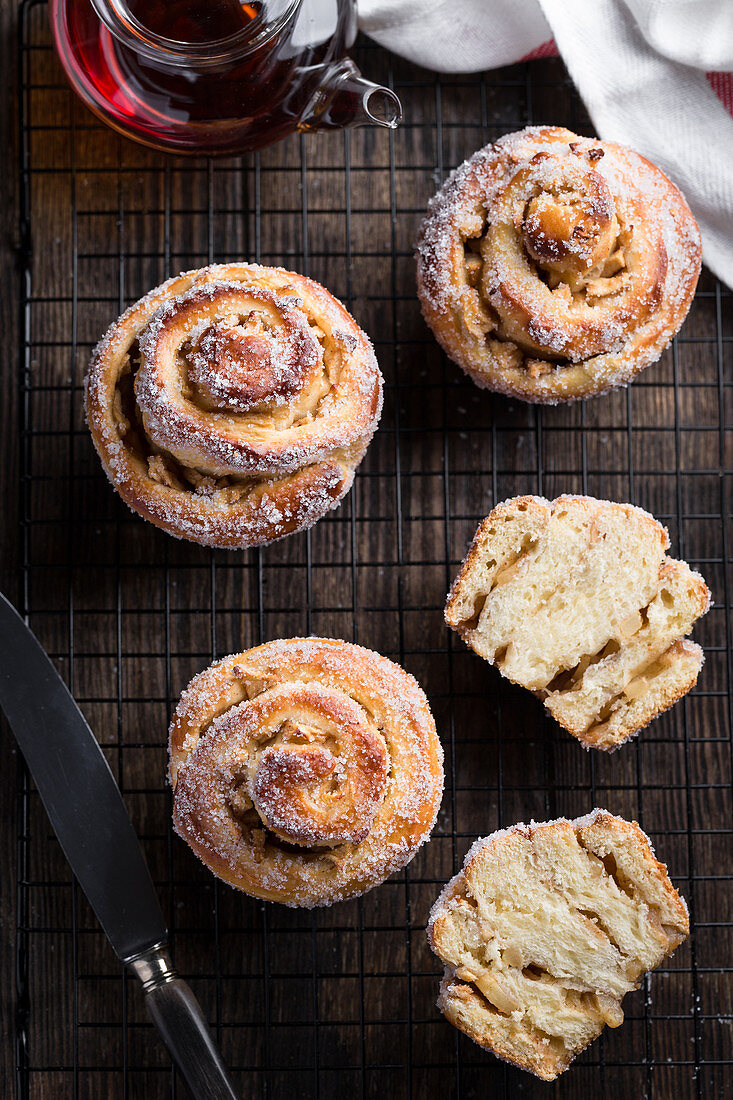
point(345, 98)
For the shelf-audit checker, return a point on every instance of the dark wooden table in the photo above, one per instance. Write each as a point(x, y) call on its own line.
point(9, 542)
point(340, 1001)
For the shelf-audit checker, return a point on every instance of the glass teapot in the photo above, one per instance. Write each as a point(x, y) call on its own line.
point(217, 76)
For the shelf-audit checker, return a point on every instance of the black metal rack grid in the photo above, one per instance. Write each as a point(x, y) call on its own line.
point(341, 1000)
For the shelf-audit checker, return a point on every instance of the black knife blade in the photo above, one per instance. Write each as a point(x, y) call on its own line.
point(91, 822)
point(78, 790)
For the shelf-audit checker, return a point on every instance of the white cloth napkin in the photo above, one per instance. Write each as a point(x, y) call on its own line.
point(646, 70)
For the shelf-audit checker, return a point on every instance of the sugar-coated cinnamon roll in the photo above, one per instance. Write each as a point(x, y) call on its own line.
point(305, 771)
point(231, 405)
point(553, 267)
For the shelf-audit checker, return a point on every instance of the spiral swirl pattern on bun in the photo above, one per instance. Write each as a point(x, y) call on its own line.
point(304, 771)
point(231, 405)
point(553, 267)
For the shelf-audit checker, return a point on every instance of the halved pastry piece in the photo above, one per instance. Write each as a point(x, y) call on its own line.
point(545, 929)
point(576, 600)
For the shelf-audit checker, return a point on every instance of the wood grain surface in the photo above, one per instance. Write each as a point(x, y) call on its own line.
point(340, 1001)
point(9, 495)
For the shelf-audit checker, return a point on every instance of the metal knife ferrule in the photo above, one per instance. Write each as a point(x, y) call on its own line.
point(153, 967)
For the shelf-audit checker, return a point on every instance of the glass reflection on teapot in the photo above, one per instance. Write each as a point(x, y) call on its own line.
point(217, 76)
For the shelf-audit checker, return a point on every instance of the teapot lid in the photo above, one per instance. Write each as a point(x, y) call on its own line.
point(206, 32)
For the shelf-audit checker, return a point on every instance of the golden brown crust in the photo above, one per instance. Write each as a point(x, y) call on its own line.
point(305, 771)
point(592, 581)
point(545, 930)
point(232, 404)
point(553, 267)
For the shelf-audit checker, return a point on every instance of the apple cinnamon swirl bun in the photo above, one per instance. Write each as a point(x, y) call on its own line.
point(553, 267)
point(231, 405)
point(304, 771)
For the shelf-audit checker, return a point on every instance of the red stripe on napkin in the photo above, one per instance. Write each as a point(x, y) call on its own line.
point(547, 49)
point(722, 85)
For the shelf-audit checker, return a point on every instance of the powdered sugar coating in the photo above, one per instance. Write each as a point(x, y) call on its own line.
point(356, 728)
point(568, 298)
point(255, 397)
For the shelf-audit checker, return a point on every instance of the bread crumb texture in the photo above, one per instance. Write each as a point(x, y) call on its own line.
point(545, 929)
point(577, 600)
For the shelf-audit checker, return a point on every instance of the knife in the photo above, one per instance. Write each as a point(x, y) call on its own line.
point(89, 818)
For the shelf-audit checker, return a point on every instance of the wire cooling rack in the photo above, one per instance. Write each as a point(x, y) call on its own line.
point(341, 1001)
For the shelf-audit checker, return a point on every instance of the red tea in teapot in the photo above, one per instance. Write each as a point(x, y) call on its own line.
point(195, 21)
point(217, 76)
